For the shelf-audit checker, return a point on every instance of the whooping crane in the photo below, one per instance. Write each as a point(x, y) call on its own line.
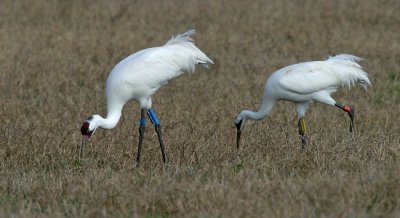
point(138, 77)
point(308, 82)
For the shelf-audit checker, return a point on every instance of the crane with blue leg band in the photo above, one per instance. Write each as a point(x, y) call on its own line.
point(137, 78)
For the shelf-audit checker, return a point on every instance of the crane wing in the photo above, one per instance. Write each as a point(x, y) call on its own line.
point(310, 77)
point(149, 69)
point(306, 78)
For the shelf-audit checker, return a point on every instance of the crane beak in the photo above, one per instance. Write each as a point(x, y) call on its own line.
point(238, 133)
point(351, 115)
point(85, 139)
point(85, 135)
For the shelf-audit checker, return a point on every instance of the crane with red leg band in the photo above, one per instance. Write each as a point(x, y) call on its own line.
point(305, 83)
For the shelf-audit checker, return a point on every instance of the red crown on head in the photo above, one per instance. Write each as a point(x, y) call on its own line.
point(85, 128)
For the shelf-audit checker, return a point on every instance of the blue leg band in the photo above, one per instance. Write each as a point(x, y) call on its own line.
point(153, 117)
point(142, 121)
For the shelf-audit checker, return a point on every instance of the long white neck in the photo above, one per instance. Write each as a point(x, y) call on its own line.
point(114, 109)
point(266, 107)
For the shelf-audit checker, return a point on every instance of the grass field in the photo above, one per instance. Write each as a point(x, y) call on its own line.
point(55, 57)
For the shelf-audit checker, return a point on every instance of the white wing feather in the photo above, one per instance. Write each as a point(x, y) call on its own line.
point(309, 77)
point(141, 74)
point(182, 38)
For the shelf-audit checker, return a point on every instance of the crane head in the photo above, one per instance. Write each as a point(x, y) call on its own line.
point(85, 130)
point(88, 128)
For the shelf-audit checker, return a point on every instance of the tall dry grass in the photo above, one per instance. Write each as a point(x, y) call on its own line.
point(55, 57)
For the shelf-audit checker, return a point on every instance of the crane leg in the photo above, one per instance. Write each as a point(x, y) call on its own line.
point(350, 112)
point(156, 123)
point(141, 133)
point(302, 131)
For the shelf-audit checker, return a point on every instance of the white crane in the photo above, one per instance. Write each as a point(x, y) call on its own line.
point(138, 77)
point(305, 83)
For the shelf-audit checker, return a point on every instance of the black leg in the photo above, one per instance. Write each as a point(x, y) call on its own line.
point(162, 146)
point(154, 120)
point(302, 131)
point(141, 133)
point(350, 112)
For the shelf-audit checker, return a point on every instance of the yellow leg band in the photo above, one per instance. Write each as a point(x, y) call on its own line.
point(302, 126)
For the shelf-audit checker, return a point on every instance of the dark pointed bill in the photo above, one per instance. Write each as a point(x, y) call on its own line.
point(350, 112)
point(85, 135)
point(351, 115)
point(85, 138)
point(239, 132)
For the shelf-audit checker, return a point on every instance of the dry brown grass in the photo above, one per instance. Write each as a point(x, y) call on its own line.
point(55, 57)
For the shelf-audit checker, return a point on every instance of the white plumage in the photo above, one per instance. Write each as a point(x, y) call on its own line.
point(140, 75)
point(307, 82)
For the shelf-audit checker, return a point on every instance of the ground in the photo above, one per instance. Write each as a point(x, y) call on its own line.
point(55, 57)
